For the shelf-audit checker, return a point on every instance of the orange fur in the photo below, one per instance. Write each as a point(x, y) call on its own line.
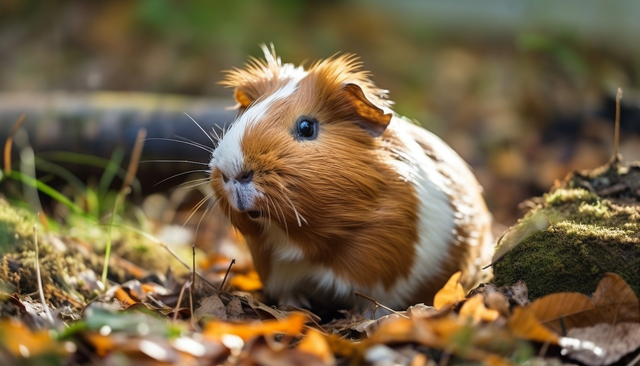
point(358, 216)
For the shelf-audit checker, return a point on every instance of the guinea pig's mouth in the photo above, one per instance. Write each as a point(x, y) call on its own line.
point(254, 214)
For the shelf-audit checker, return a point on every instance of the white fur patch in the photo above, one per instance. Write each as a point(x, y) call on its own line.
point(228, 156)
point(290, 271)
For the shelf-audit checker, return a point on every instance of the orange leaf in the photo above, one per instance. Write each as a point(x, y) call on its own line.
point(249, 282)
point(102, 344)
point(474, 308)
point(393, 330)
point(123, 297)
point(524, 324)
point(450, 294)
point(214, 260)
point(21, 341)
point(613, 302)
point(292, 326)
point(431, 332)
point(316, 344)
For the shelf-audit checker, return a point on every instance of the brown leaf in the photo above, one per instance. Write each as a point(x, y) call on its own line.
point(498, 302)
point(524, 324)
point(602, 344)
point(234, 308)
point(264, 310)
point(211, 306)
point(612, 302)
point(474, 308)
point(450, 294)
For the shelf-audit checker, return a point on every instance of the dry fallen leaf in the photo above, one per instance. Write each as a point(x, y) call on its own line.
point(249, 282)
point(612, 302)
point(524, 324)
point(602, 344)
point(450, 294)
point(315, 343)
point(474, 309)
point(211, 306)
point(264, 310)
point(123, 296)
point(498, 302)
point(18, 339)
point(292, 326)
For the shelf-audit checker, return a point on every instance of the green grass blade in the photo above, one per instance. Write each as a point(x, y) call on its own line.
point(46, 189)
point(110, 171)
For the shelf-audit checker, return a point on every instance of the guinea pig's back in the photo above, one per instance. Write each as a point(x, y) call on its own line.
point(450, 192)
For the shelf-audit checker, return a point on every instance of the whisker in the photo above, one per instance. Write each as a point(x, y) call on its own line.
point(202, 202)
point(275, 210)
point(284, 219)
point(183, 173)
point(175, 161)
point(298, 216)
point(193, 184)
point(201, 129)
point(217, 137)
point(186, 140)
point(205, 214)
point(189, 142)
point(269, 212)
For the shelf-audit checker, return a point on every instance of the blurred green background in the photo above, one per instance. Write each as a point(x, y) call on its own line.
point(523, 90)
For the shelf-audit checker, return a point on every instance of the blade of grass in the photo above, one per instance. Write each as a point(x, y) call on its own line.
point(61, 172)
point(48, 190)
point(88, 160)
point(129, 177)
point(93, 202)
point(110, 171)
point(28, 169)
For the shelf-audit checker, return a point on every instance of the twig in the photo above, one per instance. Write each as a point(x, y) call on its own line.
point(40, 288)
point(135, 159)
point(9, 142)
point(233, 261)
point(175, 311)
point(544, 349)
point(377, 304)
point(193, 282)
point(616, 140)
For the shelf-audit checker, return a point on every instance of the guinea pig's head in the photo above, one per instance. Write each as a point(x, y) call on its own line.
point(303, 151)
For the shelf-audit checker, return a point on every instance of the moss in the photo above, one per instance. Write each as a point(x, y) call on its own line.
point(588, 235)
point(16, 228)
point(64, 259)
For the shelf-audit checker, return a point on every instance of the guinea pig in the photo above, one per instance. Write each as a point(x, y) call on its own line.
point(336, 194)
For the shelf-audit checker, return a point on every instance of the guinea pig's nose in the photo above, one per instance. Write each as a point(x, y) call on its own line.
point(244, 177)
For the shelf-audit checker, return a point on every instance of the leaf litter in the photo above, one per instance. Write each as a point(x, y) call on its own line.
point(151, 318)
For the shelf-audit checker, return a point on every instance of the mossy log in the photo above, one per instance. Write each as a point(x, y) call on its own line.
point(586, 226)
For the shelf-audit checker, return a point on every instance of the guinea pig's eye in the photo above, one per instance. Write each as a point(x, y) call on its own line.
point(306, 128)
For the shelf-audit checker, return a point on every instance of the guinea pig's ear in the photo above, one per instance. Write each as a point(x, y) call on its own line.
point(370, 117)
point(243, 99)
